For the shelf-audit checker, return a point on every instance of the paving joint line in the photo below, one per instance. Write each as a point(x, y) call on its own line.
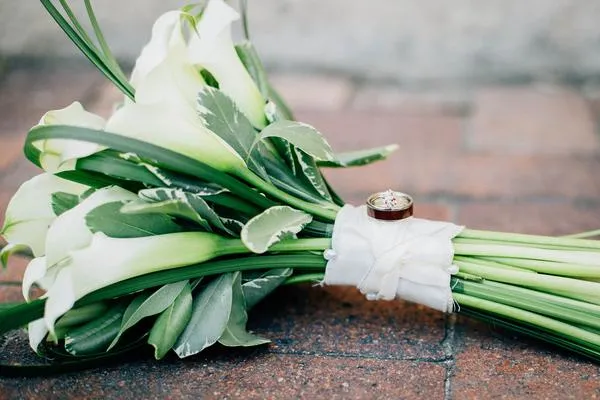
point(448, 345)
point(357, 356)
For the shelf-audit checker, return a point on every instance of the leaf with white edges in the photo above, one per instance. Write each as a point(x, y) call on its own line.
point(302, 136)
point(210, 315)
point(272, 225)
point(359, 157)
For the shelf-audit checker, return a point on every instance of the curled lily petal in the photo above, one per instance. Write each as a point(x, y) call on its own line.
point(164, 113)
point(211, 47)
point(166, 33)
point(70, 232)
point(29, 212)
point(36, 331)
point(62, 154)
point(35, 271)
point(109, 260)
point(176, 130)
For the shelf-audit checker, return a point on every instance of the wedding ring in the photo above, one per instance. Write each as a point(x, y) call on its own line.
point(390, 205)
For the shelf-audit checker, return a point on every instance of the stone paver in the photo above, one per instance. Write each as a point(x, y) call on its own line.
point(257, 374)
point(498, 365)
point(339, 321)
point(330, 342)
point(532, 120)
point(485, 176)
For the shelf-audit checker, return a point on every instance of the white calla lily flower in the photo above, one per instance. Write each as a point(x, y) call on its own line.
point(110, 260)
point(62, 154)
point(29, 213)
point(166, 33)
point(165, 111)
point(211, 47)
point(68, 232)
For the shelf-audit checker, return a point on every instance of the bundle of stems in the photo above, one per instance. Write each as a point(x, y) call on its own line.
point(140, 236)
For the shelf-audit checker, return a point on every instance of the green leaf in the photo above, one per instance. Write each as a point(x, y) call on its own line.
point(271, 226)
point(235, 333)
point(174, 208)
point(171, 322)
point(117, 165)
point(93, 54)
point(183, 204)
point(359, 157)
point(221, 116)
point(80, 315)
point(211, 310)
point(162, 158)
point(258, 288)
point(95, 336)
point(12, 249)
point(62, 201)
point(311, 173)
point(146, 304)
point(302, 136)
point(108, 219)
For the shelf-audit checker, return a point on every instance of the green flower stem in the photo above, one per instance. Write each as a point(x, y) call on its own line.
point(327, 214)
point(23, 313)
point(566, 256)
point(584, 235)
point(525, 328)
point(556, 307)
point(530, 239)
point(574, 288)
point(565, 330)
point(551, 267)
point(236, 246)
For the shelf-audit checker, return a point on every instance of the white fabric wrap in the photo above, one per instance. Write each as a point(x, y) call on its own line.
point(410, 259)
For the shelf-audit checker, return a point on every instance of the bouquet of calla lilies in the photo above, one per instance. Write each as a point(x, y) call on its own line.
point(166, 223)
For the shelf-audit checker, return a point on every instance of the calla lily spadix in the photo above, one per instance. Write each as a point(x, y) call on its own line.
point(29, 213)
point(59, 154)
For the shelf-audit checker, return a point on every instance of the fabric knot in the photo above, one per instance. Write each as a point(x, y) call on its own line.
point(409, 258)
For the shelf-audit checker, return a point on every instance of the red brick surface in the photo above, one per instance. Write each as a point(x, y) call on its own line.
point(532, 120)
point(516, 159)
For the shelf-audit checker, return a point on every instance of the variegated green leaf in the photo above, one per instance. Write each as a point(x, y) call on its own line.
point(311, 172)
point(359, 157)
point(171, 322)
point(148, 304)
point(62, 201)
point(220, 114)
point(109, 219)
point(235, 333)
point(270, 226)
point(258, 288)
point(210, 314)
point(190, 205)
point(302, 136)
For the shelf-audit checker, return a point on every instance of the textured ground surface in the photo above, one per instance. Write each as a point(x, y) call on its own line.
point(521, 158)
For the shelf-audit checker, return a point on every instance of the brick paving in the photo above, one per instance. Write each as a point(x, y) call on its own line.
point(521, 158)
